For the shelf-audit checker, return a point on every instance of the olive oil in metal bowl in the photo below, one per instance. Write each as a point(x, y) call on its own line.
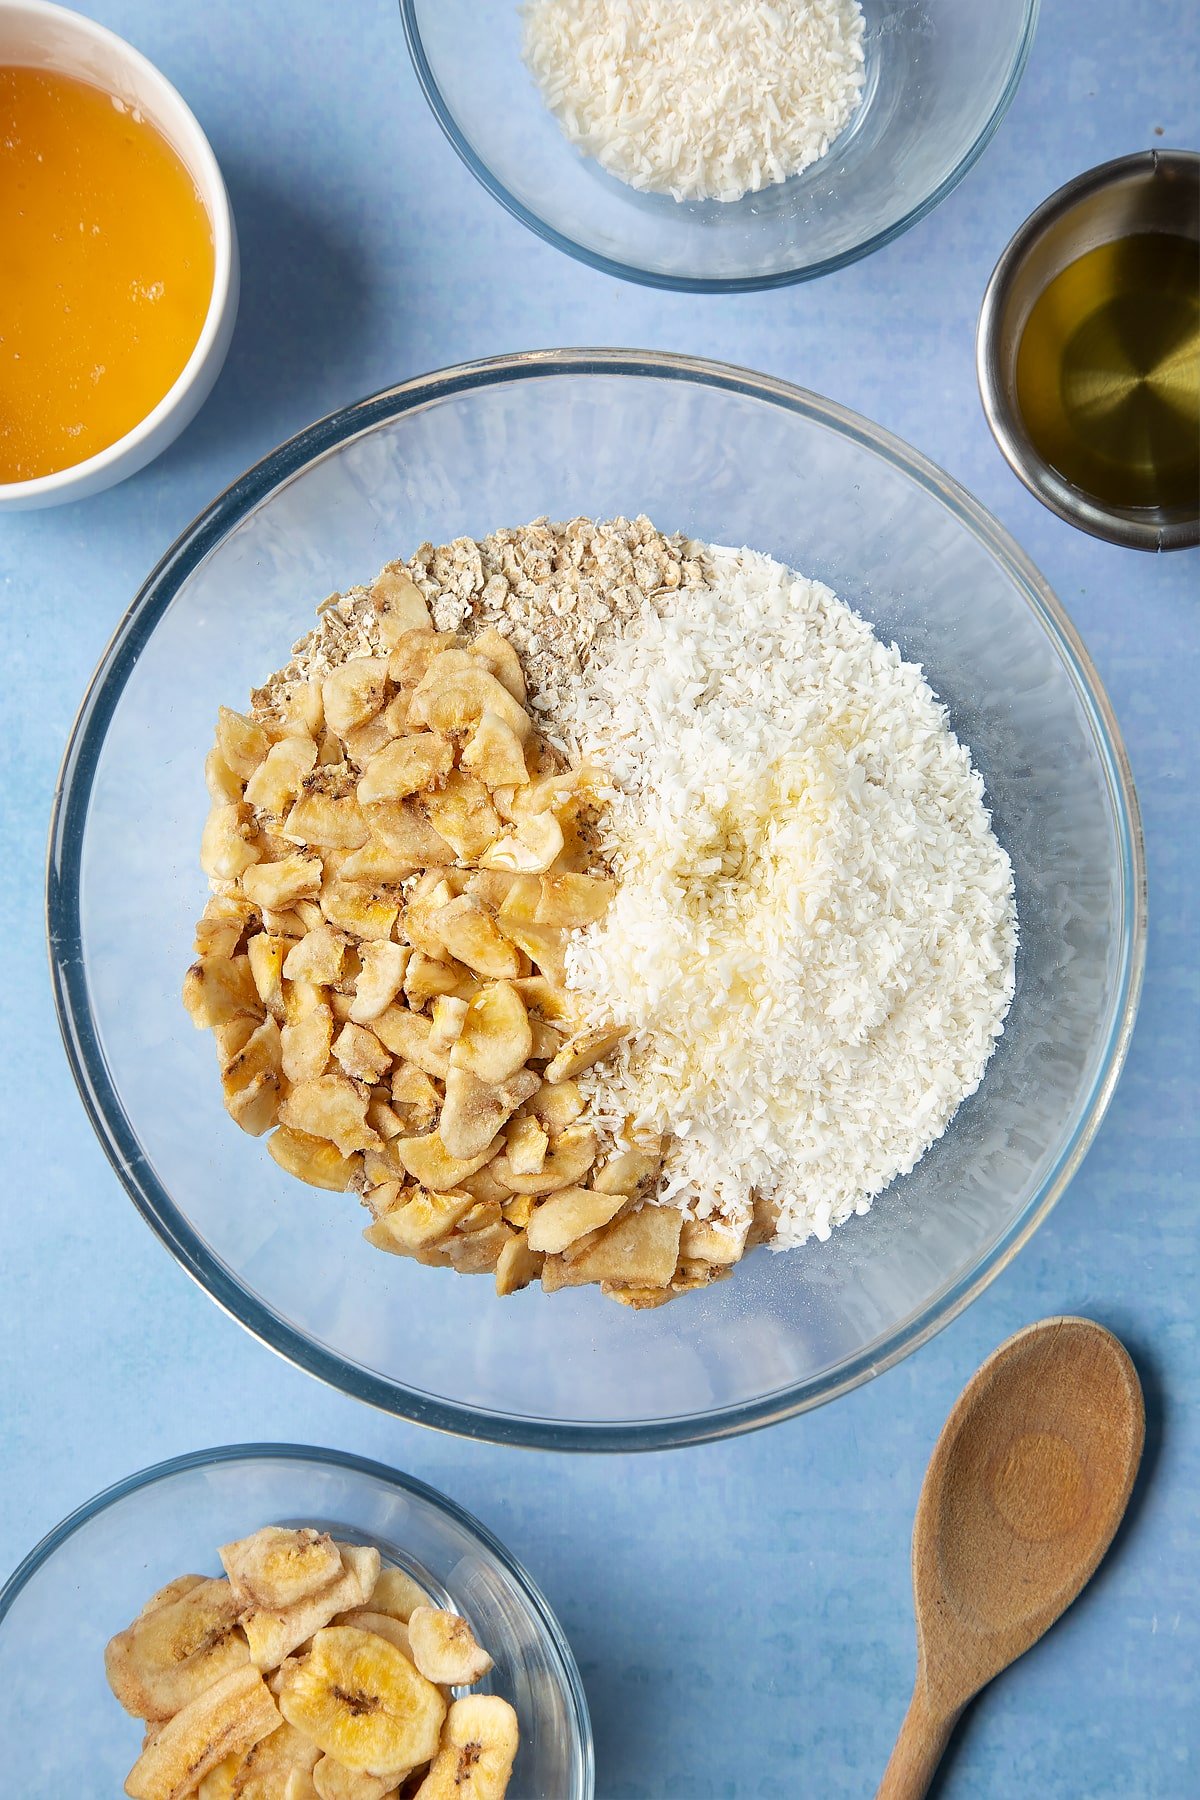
point(1089, 351)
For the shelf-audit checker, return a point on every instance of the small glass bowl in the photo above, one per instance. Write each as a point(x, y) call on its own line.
point(723, 455)
point(939, 77)
point(63, 1731)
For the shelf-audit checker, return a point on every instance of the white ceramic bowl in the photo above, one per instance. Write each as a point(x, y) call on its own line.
point(35, 34)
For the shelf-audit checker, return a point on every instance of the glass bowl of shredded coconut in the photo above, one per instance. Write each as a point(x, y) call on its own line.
point(718, 144)
point(875, 931)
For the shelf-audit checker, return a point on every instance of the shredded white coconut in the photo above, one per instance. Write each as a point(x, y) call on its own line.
point(701, 99)
point(814, 932)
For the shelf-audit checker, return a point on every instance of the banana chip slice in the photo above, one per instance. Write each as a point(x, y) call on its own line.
point(227, 1718)
point(274, 1632)
point(182, 1643)
point(362, 1701)
point(479, 1746)
point(278, 1568)
point(445, 1649)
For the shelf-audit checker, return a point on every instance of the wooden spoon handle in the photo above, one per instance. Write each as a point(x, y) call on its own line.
point(918, 1751)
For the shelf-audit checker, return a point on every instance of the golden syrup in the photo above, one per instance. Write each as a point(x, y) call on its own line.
point(106, 270)
point(1108, 372)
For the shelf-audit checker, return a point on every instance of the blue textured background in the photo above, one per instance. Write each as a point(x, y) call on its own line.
point(741, 1613)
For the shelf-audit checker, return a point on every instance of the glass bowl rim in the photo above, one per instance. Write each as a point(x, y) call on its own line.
point(69, 977)
point(538, 1606)
point(708, 284)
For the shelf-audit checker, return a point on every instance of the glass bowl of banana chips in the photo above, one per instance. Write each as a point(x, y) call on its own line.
point(271, 1621)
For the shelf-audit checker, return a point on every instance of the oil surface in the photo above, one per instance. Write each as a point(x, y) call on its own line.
point(1108, 372)
point(106, 270)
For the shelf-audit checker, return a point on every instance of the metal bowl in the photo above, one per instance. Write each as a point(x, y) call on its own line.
point(1154, 191)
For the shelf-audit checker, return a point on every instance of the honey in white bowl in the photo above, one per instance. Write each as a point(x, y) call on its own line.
point(106, 270)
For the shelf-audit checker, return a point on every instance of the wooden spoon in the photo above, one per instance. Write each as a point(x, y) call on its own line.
point(1025, 1488)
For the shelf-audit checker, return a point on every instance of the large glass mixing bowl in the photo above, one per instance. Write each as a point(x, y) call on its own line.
point(734, 458)
point(939, 77)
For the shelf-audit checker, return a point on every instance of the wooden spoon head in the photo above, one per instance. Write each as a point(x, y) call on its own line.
point(1025, 1488)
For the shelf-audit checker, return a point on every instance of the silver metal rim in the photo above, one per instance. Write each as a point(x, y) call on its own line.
point(1116, 526)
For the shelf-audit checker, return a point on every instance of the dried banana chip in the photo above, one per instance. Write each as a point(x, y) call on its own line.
point(363, 1618)
point(500, 657)
point(362, 909)
point(312, 1160)
point(426, 977)
point(536, 845)
point(461, 811)
point(526, 1143)
point(331, 1107)
point(496, 1039)
point(544, 945)
point(355, 692)
point(712, 1241)
point(627, 1171)
point(396, 1593)
point(480, 1739)
point(176, 1647)
point(516, 1266)
point(361, 1054)
point(274, 1632)
point(415, 1101)
point(280, 884)
point(639, 1250)
point(267, 952)
point(226, 847)
point(407, 1034)
point(581, 1052)
point(556, 1107)
point(495, 754)
point(306, 1042)
point(455, 701)
point(640, 1299)
point(171, 1590)
point(572, 1154)
point(548, 1000)
point(408, 765)
point(275, 1567)
point(333, 1781)
point(363, 1703)
point(280, 1767)
point(220, 780)
point(399, 605)
point(222, 925)
point(379, 979)
point(274, 785)
point(570, 902)
point(479, 1252)
point(403, 827)
point(447, 1015)
point(251, 1080)
point(318, 958)
point(474, 1111)
point(242, 742)
point(425, 1220)
point(445, 1649)
point(470, 934)
point(570, 1214)
point(227, 1718)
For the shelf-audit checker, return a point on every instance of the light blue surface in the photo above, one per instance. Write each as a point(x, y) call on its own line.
point(741, 1613)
